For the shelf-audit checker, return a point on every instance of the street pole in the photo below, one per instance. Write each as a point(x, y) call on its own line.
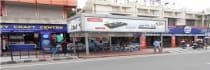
point(161, 17)
point(0, 43)
point(161, 44)
point(110, 41)
point(86, 43)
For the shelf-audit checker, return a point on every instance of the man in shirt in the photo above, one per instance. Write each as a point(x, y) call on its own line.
point(156, 45)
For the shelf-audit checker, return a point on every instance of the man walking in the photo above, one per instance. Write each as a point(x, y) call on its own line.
point(156, 46)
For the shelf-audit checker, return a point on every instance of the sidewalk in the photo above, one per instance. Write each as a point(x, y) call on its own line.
point(33, 58)
point(41, 58)
point(115, 54)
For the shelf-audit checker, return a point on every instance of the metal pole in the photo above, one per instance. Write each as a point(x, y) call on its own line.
point(161, 45)
point(74, 45)
point(208, 22)
point(86, 43)
point(11, 53)
point(0, 44)
point(110, 42)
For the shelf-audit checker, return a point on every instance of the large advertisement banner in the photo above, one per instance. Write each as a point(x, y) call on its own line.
point(124, 25)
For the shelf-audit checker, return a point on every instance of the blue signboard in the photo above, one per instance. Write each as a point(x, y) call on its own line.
point(45, 40)
point(11, 27)
point(186, 30)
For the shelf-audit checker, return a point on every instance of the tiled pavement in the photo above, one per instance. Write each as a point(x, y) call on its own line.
point(39, 58)
point(115, 54)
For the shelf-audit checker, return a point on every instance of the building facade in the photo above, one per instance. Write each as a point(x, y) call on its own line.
point(179, 20)
point(33, 21)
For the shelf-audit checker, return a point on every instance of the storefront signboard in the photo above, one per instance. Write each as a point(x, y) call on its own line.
point(10, 27)
point(186, 30)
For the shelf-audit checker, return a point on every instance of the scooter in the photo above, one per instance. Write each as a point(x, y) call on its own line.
point(184, 46)
point(197, 45)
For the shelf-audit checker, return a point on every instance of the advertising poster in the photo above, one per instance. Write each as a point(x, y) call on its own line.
point(124, 25)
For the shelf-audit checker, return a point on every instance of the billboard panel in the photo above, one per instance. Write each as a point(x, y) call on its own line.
point(124, 25)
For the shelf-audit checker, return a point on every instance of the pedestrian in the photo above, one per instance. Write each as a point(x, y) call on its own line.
point(156, 45)
point(53, 47)
point(64, 47)
point(92, 46)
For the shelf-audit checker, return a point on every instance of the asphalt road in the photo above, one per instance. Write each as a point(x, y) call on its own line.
point(198, 61)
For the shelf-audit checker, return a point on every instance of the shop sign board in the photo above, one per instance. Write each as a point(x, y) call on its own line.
point(14, 27)
point(124, 25)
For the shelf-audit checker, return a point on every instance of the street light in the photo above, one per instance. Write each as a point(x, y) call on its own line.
point(162, 17)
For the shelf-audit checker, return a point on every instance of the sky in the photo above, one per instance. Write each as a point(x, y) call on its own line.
point(194, 5)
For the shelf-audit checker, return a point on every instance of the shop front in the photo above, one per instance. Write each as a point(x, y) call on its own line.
point(175, 35)
point(114, 30)
point(25, 35)
point(187, 33)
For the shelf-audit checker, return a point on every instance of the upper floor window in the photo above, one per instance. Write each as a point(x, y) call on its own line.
point(171, 21)
point(121, 1)
point(190, 22)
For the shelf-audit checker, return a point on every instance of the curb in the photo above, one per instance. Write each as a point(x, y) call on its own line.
point(37, 60)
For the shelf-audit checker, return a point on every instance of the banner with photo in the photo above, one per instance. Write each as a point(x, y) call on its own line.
point(124, 25)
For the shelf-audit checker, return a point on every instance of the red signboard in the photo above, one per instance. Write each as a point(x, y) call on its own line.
point(94, 19)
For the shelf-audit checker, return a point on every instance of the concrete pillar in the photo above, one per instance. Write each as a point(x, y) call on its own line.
point(203, 21)
point(143, 41)
point(0, 43)
point(173, 41)
point(195, 38)
point(181, 21)
point(93, 6)
point(3, 8)
point(110, 42)
point(86, 43)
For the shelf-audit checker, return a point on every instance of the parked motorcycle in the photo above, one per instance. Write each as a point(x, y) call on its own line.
point(183, 45)
point(197, 45)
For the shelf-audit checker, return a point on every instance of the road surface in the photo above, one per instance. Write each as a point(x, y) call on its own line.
point(193, 61)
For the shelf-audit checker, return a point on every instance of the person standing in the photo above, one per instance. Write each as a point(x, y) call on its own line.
point(156, 45)
point(53, 47)
point(64, 47)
